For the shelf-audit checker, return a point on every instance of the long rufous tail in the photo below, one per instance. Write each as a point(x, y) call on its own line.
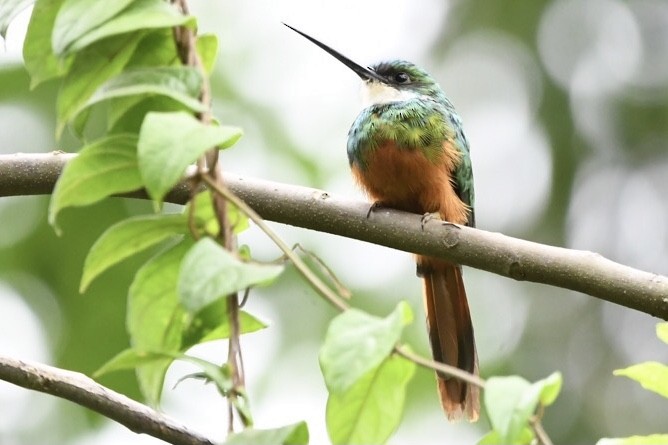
point(450, 335)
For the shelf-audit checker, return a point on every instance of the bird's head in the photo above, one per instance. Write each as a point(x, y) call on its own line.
point(385, 82)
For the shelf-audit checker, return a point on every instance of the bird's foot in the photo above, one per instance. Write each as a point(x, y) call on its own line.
point(373, 207)
point(429, 217)
point(435, 216)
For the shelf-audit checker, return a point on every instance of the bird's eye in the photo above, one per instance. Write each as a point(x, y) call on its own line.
point(402, 78)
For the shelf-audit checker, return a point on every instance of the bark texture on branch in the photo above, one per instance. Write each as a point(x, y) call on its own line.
point(580, 271)
point(84, 391)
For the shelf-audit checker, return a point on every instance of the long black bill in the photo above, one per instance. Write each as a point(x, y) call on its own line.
point(364, 73)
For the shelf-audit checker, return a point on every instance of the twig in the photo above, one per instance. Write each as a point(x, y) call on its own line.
point(192, 223)
point(451, 371)
point(301, 267)
point(539, 431)
point(534, 421)
point(186, 42)
point(84, 391)
point(341, 288)
point(586, 272)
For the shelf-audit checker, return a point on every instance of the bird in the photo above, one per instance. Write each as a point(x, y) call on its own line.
point(407, 150)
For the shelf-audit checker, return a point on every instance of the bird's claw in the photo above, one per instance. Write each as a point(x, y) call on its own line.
point(428, 217)
point(451, 224)
point(373, 207)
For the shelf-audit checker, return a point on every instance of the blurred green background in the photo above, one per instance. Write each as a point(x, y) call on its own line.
point(565, 104)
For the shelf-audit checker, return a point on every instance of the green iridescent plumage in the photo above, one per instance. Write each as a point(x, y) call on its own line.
point(416, 124)
point(421, 118)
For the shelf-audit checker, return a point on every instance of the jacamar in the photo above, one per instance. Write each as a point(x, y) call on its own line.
point(408, 151)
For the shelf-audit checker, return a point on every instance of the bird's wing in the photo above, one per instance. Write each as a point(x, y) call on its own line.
point(463, 174)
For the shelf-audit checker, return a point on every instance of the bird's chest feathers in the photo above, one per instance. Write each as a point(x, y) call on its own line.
point(406, 179)
point(403, 155)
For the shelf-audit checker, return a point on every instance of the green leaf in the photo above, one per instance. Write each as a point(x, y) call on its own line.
point(653, 376)
point(121, 106)
point(212, 323)
point(494, 438)
point(204, 327)
point(77, 17)
point(91, 68)
point(78, 122)
point(155, 318)
point(369, 411)
point(8, 10)
point(126, 114)
point(207, 48)
point(248, 323)
point(209, 272)
point(128, 238)
point(662, 331)
point(169, 142)
point(39, 59)
point(205, 215)
point(511, 401)
point(81, 23)
point(504, 405)
point(209, 324)
point(103, 168)
point(157, 48)
point(222, 378)
point(219, 375)
point(131, 359)
point(358, 342)
point(139, 16)
point(653, 439)
point(549, 388)
point(181, 83)
point(296, 434)
point(237, 219)
point(491, 438)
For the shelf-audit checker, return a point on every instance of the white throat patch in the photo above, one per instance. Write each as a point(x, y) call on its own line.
point(375, 93)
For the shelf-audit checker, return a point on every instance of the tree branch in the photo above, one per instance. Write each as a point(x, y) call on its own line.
point(84, 391)
point(580, 271)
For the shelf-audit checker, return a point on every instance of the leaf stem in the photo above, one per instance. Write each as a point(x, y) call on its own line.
point(539, 431)
point(317, 284)
point(451, 371)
